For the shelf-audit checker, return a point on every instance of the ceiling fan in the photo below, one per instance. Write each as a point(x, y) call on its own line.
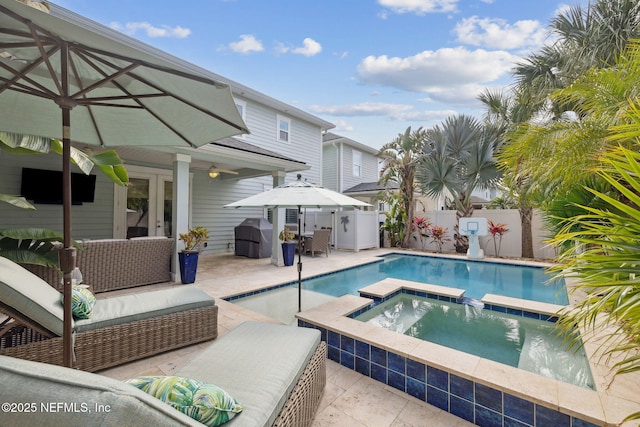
point(214, 171)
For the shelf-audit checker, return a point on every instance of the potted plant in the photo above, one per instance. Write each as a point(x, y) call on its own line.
point(288, 245)
point(188, 257)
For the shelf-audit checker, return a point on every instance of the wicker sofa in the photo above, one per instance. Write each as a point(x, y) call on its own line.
point(111, 264)
point(276, 372)
point(122, 328)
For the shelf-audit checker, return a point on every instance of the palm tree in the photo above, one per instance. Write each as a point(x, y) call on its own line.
point(586, 38)
point(458, 158)
point(599, 100)
point(507, 112)
point(602, 251)
point(398, 165)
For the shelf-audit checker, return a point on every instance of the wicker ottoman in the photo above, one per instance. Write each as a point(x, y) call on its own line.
point(276, 372)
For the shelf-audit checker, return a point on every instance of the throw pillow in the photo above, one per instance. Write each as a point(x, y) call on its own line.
point(205, 403)
point(82, 301)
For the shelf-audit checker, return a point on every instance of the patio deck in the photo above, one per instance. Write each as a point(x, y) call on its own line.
point(350, 399)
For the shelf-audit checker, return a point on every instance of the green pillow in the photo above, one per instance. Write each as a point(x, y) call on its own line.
point(205, 403)
point(82, 302)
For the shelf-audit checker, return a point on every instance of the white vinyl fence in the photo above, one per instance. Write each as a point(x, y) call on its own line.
point(353, 229)
point(511, 241)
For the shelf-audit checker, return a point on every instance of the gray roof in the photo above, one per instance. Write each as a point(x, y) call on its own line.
point(236, 144)
point(329, 137)
point(371, 186)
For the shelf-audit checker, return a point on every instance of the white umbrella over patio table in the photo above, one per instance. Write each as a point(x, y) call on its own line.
point(62, 75)
point(298, 194)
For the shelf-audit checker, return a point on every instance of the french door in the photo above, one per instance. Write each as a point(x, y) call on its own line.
point(144, 207)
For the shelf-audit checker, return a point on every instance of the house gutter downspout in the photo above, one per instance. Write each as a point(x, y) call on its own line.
point(338, 169)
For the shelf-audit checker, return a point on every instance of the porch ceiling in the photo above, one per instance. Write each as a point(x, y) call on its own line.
point(230, 153)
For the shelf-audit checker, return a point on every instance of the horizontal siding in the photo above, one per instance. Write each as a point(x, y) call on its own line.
point(208, 200)
point(305, 144)
point(89, 221)
point(369, 168)
point(329, 168)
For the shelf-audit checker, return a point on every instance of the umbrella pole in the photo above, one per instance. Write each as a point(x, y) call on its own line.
point(68, 254)
point(299, 261)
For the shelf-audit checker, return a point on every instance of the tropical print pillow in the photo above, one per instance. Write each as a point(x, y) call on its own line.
point(205, 403)
point(82, 302)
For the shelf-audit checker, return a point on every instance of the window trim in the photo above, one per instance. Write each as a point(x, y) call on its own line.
point(280, 119)
point(356, 154)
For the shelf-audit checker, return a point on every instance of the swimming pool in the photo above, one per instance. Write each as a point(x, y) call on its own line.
point(477, 278)
point(525, 343)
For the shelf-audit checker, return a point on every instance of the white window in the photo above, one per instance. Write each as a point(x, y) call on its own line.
point(284, 129)
point(356, 158)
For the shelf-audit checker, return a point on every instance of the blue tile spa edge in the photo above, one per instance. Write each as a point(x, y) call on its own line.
point(463, 397)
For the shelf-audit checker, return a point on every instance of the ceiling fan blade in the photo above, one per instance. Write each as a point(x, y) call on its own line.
point(227, 171)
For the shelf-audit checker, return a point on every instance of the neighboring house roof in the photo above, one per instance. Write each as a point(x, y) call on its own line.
point(329, 138)
point(368, 187)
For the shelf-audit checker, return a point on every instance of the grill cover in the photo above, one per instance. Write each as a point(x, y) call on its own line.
point(253, 238)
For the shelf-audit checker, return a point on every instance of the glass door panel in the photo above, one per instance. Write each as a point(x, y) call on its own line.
point(138, 204)
point(165, 211)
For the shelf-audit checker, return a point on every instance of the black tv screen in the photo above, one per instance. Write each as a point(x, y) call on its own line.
point(45, 187)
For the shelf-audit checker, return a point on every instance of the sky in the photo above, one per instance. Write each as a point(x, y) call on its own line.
point(371, 67)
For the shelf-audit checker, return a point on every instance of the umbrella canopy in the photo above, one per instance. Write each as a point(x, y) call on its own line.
point(119, 91)
point(298, 194)
point(64, 76)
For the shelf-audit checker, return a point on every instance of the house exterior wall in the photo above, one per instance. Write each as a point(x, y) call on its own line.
point(330, 169)
point(210, 195)
point(341, 154)
point(89, 220)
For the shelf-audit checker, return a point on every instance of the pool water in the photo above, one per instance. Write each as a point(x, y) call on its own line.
point(477, 278)
point(529, 344)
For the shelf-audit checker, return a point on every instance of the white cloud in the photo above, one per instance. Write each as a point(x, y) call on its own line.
point(362, 109)
point(247, 44)
point(309, 47)
point(442, 74)
point(131, 28)
point(419, 7)
point(498, 34)
point(397, 112)
point(342, 126)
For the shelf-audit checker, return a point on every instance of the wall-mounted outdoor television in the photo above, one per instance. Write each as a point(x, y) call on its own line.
point(45, 187)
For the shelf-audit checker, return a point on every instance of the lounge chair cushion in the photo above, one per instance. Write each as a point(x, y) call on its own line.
point(259, 364)
point(27, 293)
point(130, 308)
point(82, 302)
point(90, 399)
point(206, 403)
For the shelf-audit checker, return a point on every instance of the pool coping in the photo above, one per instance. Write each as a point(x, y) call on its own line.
point(549, 397)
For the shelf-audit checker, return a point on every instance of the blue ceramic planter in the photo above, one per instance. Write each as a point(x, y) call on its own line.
point(188, 266)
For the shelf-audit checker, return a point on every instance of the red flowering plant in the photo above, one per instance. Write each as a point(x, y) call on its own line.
point(439, 236)
point(421, 226)
point(497, 230)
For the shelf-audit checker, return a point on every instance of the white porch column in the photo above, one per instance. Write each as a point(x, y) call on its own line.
point(278, 219)
point(180, 207)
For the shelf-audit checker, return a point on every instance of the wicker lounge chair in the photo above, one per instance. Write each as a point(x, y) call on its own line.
point(122, 328)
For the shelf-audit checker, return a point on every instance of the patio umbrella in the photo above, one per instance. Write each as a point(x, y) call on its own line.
point(64, 76)
point(298, 194)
